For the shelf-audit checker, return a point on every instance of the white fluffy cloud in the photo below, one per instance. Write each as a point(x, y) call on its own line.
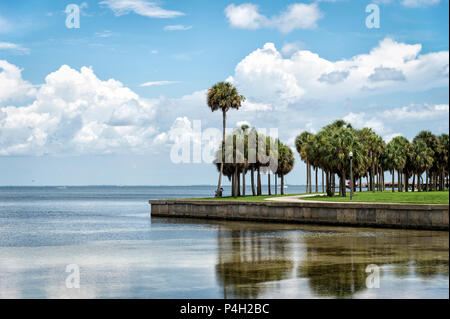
point(141, 7)
point(12, 86)
point(383, 121)
point(296, 16)
point(265, 76)
point(291, 47)
point(75, 112)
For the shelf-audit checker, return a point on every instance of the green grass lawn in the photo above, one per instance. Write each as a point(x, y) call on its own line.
point(246, 198)
point(389, 197)
point(368, 197)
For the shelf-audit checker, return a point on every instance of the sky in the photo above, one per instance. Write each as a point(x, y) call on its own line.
point(106, 102)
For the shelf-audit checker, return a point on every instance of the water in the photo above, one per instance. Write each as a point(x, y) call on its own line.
point(122, 253)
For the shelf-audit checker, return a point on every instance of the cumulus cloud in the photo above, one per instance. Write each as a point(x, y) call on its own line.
point(383, 121)
point(12, 86)
point(416, 112)
point(141, 7)
point(291, 47)
point(296, 16)
point(75, 112)
point(334, 77)
point(265, 76)
point(386, 74)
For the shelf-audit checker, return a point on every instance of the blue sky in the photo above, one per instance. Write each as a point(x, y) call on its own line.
point(100, 104)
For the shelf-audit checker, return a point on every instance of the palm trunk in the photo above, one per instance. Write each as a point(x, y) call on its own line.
point(236, 182)
point(317, 181)
point(310, 180)
point(333, 183)
point(414, 183)
point(406, 182)
point(219, 184)
point(238, 178)
point(377, 181)
point(342, 185)
point(233, 186)
point(258, 182)
point(276, 186)
point(307, 177)
point(268, 184)
point(282, 184)
point(243, 181)
point(323, 182)
point(253, 181)
point(393, 180)
point(328, 177)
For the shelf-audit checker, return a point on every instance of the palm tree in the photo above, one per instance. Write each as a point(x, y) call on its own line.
point(223, 96)
point(432, 142)
point(388, 158)
point(285, 162)
point(400, 148)
point(443, 160)
point(373, 148)
point(303, 144)
point(422, 159)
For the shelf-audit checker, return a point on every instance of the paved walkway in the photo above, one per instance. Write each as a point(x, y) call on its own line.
point(295, 199)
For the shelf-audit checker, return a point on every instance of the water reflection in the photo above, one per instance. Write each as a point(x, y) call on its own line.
point(249, 257)
point(254, 262)
point(182, 258)
point(336, 264)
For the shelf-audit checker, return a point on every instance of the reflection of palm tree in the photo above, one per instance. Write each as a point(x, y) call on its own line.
point(247, 258)
point(428, 268)
point(341, 274)
point(336, 266)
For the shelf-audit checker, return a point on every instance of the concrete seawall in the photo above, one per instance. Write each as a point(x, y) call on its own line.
point(345, 214)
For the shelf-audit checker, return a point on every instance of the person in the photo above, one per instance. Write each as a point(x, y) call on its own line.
point(221, 192)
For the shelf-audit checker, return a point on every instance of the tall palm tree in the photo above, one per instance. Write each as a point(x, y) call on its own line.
point(400, 147)
point(388, 158)
point(285, 162)
point(223, 96)
point(422, 159)
point(432, 142)
point(443, 160)
point(303, 144)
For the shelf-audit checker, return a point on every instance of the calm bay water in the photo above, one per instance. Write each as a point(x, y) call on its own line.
point(122, 253)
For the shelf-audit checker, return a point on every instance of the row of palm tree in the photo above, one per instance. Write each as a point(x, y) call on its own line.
point(329, 150)
point(257, 154)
